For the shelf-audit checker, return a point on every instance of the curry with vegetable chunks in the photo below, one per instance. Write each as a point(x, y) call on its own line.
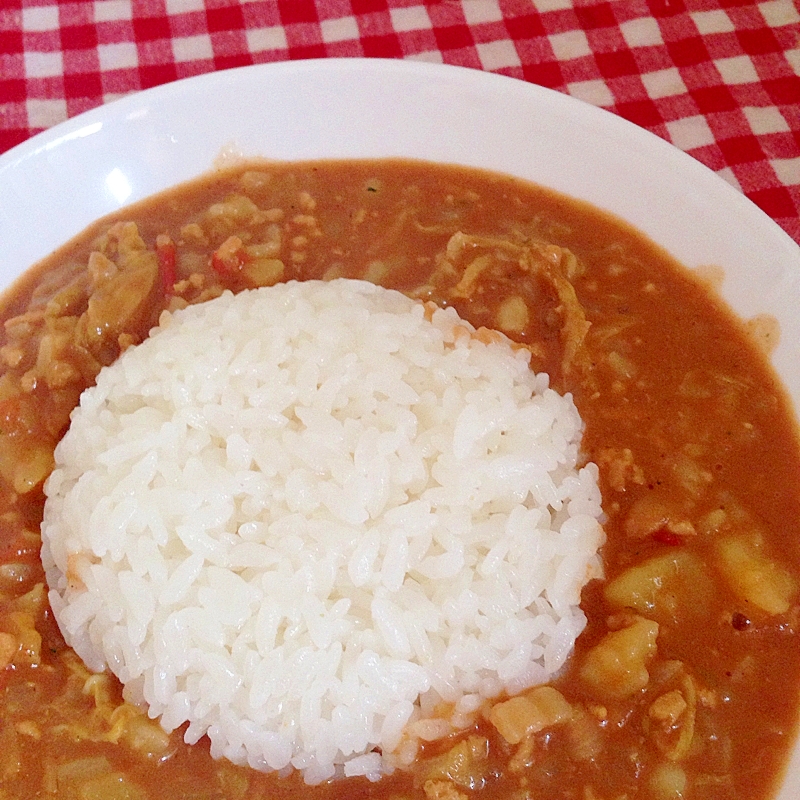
point(685, 681)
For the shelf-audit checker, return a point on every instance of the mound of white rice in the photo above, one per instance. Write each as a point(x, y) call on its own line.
point(301, 517)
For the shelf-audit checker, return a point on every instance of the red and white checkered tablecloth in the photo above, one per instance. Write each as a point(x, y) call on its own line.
point(718, 78)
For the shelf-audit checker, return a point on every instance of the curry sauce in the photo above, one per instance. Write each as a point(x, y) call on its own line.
point(684, 683)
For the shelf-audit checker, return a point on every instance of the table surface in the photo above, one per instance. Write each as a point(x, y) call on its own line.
point(720, 79)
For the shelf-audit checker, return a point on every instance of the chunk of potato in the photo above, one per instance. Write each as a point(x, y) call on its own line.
point(584, 735)
point(232, 215)
point(25, 462)
point(668, 782)
point(8, 649)
point(652, 512)
point(540, 708)
point(668, 587)
point(146, 736)
point(616, 667)
point(29, 639)
point(513, 315)
point(10, 753)
point(464, 765)
point(122, 302)
point(752, 575)
point(113, 786)
point(442, 790)
point(263, 272)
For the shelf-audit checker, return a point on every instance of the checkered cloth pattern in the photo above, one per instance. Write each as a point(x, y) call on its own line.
point(720, 79)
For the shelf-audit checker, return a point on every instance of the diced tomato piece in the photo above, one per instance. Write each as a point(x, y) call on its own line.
point(229, 258)
point(167, 263)
point(667, 537)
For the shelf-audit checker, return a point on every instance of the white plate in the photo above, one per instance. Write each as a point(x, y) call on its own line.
point(55, 184)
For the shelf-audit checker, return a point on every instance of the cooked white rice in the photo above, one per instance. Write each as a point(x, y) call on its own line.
point(301, 517)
